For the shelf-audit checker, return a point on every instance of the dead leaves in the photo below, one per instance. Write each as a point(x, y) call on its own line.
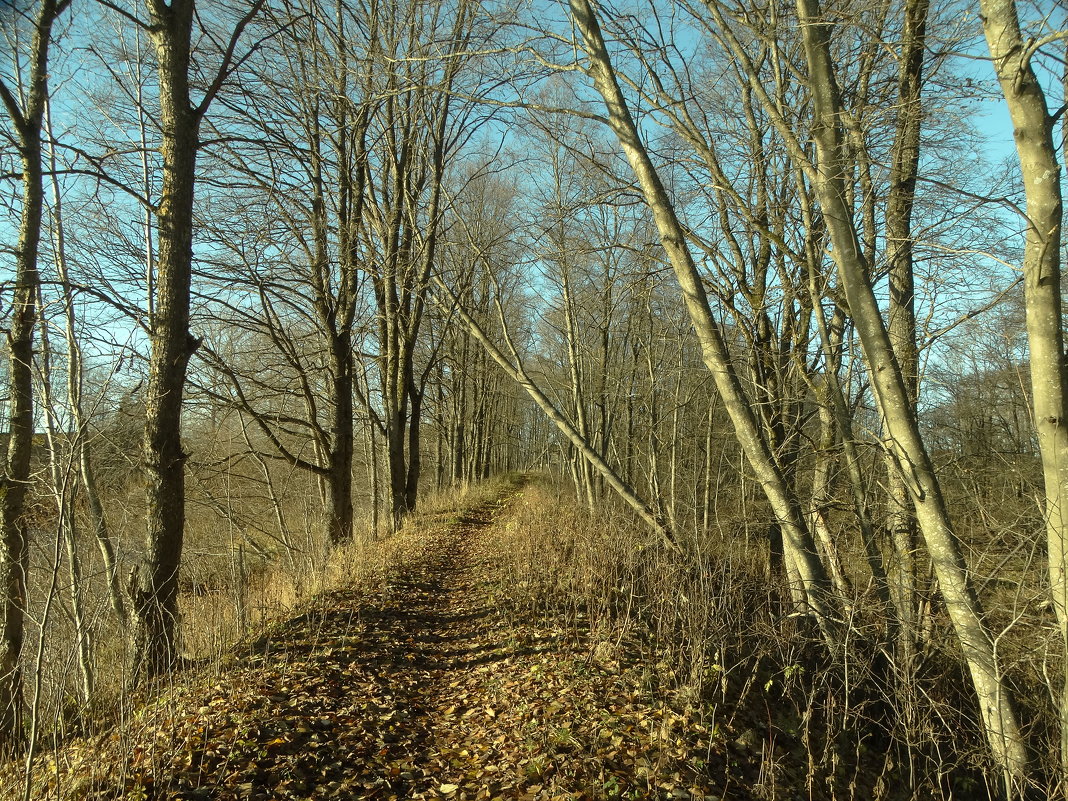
point(427, 691)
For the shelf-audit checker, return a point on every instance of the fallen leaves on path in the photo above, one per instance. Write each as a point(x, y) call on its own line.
point(427, 689)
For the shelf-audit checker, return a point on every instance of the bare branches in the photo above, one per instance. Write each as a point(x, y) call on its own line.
point(126, 15)
point(228, 64)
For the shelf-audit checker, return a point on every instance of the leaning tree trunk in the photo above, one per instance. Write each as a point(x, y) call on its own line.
point(816, 585)
point(518, 373)
point(892, 397)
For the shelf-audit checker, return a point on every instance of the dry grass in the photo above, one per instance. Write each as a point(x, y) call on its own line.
point(270, 591)
point(707, 627)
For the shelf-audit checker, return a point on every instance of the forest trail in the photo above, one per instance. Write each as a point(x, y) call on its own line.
point(428, 688)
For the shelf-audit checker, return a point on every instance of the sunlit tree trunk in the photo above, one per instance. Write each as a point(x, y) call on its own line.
point(901, 312)
point(899, 418)
point(825, 461)
point(1040, 173)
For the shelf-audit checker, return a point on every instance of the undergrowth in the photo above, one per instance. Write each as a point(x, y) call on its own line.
point(708, 628)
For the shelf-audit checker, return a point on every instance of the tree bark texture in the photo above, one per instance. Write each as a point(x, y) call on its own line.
point(1033, 128)
point(14, 484)
point(901, 316)
point(154, 586)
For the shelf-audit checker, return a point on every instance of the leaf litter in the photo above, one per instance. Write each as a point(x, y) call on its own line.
point(431, 688)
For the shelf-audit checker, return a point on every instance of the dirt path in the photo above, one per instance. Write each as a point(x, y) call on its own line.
point(428, 689)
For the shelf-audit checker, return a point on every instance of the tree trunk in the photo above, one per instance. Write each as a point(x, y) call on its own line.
point(154, 586)
point(376, 494)
point(458, 451)
point(673, 454)
point(1041, 175)
point(339, 490)
point(901, 317)
point(995, 699)
point(27, 122)
point(397, 466)
point(439, 436)
point(706, 499)
point(415, 457)
point(340, 510)
point(14, 484)
point(339, 495)
point(784, 503)
point(574, 365)
point(826, 457)
point(831, 335)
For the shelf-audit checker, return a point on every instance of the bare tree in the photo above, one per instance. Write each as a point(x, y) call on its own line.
point(25, 98)
point(425, 118)
point(901, 314)
point(311, 107)
point(75, 403)
point(154, 587)
point(1041, 175)
point(895, 405)
point(802, 557)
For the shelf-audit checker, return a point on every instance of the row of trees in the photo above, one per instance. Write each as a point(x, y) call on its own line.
point(321, 173)
point(827, 168)
point(642, 242)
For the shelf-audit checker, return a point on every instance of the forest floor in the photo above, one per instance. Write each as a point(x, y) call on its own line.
point(428, 685)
